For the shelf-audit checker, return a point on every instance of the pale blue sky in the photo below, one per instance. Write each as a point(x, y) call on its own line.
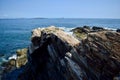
point(60, 8)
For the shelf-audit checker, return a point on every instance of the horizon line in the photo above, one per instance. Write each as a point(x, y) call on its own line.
point(56, 18)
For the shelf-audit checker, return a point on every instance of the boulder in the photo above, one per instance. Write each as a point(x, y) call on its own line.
point(81, 32)
point(21, 57)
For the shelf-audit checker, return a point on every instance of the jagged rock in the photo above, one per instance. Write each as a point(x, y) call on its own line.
point(21, 57)
point(13, 64)
point(59, 56)
point(102, 54)
point(52, 60)
point(19, 61)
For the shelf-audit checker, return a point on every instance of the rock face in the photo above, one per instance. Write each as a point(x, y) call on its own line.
point(102, 54)
point(55, 55)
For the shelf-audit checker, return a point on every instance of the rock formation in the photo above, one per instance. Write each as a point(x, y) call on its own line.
point(8, 66)
point(55, 55)
point(15, 63)
point(21, 57)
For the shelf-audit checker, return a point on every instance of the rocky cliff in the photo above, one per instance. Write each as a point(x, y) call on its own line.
point(92, 54)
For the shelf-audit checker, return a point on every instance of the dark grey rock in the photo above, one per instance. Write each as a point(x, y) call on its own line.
point(118, 30)
point(97, 28)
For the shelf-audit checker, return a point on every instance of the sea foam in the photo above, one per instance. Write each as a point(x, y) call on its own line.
point(67, 30)
point(14, 56)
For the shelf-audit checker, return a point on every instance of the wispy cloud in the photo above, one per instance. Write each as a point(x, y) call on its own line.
point(3, 15)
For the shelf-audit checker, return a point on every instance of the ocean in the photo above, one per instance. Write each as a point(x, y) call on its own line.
point(15, 33)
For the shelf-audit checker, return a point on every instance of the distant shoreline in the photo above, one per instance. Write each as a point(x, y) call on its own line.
point(59, 18)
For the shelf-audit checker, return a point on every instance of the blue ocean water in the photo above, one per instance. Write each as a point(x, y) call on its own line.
point(15, 33)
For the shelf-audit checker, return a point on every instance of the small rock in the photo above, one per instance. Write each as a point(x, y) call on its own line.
point(118, 30)
point(97, 28)
point(87, 27)
point(12, 62)
point(9, 66)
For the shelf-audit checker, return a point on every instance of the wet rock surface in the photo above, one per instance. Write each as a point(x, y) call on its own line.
point(55, 55)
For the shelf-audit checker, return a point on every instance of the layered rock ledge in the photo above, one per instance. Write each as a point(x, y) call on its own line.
point(55, 55)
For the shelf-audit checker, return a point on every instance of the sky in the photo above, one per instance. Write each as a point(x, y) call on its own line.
point(60, 8)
